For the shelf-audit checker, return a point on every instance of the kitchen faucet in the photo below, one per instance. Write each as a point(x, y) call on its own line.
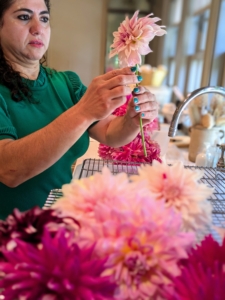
point(173, 125)
point(208, 89)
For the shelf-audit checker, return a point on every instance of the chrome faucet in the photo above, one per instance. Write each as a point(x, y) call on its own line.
point(209, 89)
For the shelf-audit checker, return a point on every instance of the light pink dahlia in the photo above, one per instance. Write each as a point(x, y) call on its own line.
point(141, 237)
point(144, 243)
point(57, 270)
point(80, 197)
point(179, 188)
point(133, 37)
point(202, 274)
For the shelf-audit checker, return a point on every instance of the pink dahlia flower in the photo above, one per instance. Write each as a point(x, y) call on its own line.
point(133, 151)
point(179, 188)
point(80, 197)
point(133, 37)
point(202, 274)
point(141, 237)
point(57, 270)
point(143, 242)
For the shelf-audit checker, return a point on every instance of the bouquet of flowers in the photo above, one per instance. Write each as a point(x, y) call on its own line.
point(114, 237)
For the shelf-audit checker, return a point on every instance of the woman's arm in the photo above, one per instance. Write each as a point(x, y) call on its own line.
point(24, 158)
point(118, 131)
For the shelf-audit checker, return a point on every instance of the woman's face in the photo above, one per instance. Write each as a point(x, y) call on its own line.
point(25, 31)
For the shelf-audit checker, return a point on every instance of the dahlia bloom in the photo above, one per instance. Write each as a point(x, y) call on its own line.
point(203, 273)
point(141, 237)
point(133, 151)
point(29, 226)
point(80, 197)
point(58, 270)
point(143, 243)
point(179, 188)
point(132, 38)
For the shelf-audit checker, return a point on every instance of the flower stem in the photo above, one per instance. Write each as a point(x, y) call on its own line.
point(143, 137)
point(141, 125)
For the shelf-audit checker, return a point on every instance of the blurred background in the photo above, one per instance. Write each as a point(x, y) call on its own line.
point(191, 55)
point(193, 51)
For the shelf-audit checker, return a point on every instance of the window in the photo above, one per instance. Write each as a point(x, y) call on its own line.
point(201, 5)
point(218, 63)
point(195, 50)
point(189, 45)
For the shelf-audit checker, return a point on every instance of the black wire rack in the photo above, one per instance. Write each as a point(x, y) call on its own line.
point(213, 177)
point(92, 166)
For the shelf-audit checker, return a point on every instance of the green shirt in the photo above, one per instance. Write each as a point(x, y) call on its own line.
point(54, 92)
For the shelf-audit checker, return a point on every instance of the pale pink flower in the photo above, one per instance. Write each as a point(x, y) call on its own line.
point(141, 237)
point(144, 244)
point(80, 197)
point(180, 188)
point(132, 38)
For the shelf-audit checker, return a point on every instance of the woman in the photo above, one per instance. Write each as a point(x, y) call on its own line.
point(46, 117)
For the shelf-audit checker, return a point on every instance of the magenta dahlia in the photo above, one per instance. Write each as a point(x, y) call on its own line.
point(202, 274)
point(59, 270)
point(29, 226)
point(133, 151)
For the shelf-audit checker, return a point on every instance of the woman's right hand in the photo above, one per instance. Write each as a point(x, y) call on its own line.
point(106, 93)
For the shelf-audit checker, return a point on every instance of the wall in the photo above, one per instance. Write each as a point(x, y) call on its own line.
point(78, 37)
point(160, 9)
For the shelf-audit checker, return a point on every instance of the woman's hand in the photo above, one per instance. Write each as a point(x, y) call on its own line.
point(142, 105)
point(118, 131)
point(107, 92)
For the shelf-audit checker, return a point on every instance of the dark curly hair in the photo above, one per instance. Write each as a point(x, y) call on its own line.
point(9, 77)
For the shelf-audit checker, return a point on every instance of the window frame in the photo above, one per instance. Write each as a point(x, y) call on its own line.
point(183, 61)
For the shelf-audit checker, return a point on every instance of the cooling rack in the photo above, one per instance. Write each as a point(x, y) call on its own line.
point(213, 177)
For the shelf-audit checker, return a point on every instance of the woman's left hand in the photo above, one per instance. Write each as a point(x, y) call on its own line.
point(142, 105)
point(118, 131)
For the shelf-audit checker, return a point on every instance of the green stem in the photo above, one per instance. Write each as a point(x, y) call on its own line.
point(141, 125)
point(143, 137)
